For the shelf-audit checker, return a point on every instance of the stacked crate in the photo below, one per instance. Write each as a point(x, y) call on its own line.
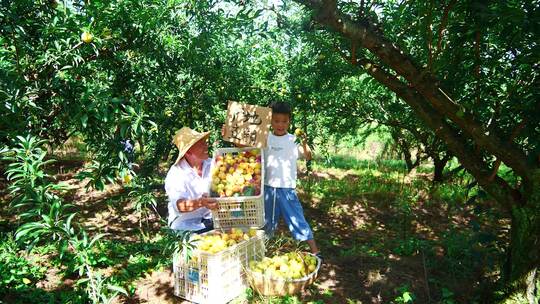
point(239, 211)
point(221, 277)
point(216, 278)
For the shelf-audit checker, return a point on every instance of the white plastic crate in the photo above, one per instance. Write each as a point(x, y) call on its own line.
point(239, 211)
point(239, 214)
point(220, 277)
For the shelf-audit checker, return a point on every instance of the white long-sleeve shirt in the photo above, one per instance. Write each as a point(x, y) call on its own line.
point(183, 182)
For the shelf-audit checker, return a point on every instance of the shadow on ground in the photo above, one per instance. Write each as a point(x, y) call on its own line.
point(375, 247)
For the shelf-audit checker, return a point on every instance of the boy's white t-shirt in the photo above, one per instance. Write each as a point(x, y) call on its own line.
point(280, 158)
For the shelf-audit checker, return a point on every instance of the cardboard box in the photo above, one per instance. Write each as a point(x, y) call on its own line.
point(247, 125)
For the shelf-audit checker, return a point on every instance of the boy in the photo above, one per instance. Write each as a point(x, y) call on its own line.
point(280, 197)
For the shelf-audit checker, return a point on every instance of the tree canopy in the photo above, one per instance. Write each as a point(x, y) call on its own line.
point(447, 78)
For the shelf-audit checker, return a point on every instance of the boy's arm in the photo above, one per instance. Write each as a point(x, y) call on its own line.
point(306, 150)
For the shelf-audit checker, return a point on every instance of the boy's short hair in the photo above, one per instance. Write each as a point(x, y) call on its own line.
point(281, 108)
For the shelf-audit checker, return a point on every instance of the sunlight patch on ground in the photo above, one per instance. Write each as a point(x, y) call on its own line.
point(394, 257)
point(327, 284)
point(84, 196)
point(355, 211)
point(374, 276)
point(423, 229)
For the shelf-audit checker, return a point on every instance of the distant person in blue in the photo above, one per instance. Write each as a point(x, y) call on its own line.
point(280, 157)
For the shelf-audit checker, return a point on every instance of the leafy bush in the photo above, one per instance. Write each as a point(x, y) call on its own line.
point(30, 188)
point(405, 296)
point(45, 217)
point(16, 271)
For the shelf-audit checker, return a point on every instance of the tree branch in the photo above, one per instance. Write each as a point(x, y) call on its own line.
point(442, 27)
point(429, 35)
point(427, 85)
point(514, 134)
point(473, 162)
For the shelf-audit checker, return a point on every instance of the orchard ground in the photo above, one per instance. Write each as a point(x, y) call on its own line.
point(387, 236)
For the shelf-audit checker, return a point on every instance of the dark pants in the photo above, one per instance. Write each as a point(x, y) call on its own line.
point(208, 225)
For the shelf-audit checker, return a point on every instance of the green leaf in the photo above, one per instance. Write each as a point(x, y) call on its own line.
point(84, 120)
point(407, 297)
point(117, 289)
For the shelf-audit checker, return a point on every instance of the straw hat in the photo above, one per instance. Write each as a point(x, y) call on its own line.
point(185, 138)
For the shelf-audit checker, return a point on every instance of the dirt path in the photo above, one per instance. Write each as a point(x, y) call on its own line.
point(357, 234)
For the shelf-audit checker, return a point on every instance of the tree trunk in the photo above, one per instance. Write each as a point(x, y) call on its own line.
point(522, 270)
point(439, 112)
point(522, 265)
point(439, 165)
point(405, 149)
point(408, 159)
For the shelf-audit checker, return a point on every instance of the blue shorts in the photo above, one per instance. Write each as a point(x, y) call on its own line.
point(284, 201)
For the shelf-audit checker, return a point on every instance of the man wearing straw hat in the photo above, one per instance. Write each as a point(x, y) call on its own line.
point(187, 183)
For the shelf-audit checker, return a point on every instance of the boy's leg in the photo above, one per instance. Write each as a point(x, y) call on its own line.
point(272, 211)
point(313, 246)
point(293, 213)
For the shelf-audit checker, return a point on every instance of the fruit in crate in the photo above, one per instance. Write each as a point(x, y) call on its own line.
point(237, 174)
point(216, 242)
point(292, 265)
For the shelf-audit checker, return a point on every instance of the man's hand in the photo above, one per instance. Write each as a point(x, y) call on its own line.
point(193, 204)
point(209, 203)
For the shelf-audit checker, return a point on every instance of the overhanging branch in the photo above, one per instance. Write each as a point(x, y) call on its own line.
point(473, 162)
point(426, 84)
